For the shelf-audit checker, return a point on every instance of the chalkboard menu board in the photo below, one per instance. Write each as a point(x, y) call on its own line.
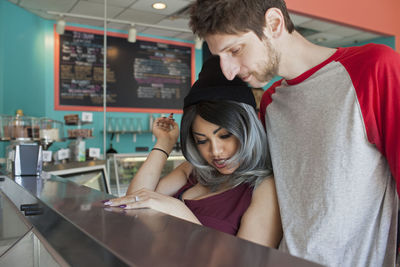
point(151, 75)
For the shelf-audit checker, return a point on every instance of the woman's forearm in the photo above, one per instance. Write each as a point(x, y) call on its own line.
point(148, 175)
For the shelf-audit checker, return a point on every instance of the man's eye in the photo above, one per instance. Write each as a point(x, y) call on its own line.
point(235, 51)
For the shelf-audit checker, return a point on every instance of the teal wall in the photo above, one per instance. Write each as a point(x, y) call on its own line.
point(389, 41)
point(27, 77)
point(22, 64)
point(23, 67)
point(2, 52)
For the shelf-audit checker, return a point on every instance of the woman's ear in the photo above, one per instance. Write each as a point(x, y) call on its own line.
point(275, 22)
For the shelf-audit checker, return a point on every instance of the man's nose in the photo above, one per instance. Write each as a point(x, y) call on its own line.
point(229, 68)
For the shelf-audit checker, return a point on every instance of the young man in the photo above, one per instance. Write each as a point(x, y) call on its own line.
point(332, 124)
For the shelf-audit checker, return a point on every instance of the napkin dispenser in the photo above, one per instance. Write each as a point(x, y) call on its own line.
point(28, 159)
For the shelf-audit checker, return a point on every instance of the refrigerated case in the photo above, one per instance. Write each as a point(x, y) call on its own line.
point(123, 167)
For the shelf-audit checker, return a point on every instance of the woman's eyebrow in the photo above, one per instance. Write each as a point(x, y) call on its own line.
point(214, 132)
point(199, 134)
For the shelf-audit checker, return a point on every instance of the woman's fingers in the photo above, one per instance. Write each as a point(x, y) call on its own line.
point(120, 201)
point(113, 209)
point(138, 204)
point(165, 123)
point(132, 198)
point(140, 199)
point(144, 199)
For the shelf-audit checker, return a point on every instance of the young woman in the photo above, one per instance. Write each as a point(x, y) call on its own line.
point(227, 182)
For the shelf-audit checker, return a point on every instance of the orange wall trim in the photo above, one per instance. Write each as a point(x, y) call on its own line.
point(380, 16)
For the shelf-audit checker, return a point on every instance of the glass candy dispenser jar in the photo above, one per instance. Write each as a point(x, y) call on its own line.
point(23, 154)
point(5, 131)
point(5, 135)
point(24, 128)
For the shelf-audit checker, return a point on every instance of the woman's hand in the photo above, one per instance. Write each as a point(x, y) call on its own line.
point(166, 131)
point(145, 198)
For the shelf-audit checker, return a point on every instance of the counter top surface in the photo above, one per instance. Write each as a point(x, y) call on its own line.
point(82, 230)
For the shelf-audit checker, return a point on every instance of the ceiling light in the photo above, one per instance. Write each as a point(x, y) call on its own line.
point(159, 5)
point(132, 34)
point(60, 27)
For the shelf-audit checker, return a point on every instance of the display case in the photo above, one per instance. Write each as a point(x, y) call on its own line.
point(123, 167)
point(92, 174)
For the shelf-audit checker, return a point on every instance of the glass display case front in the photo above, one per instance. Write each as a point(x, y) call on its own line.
point(123, 167)
point(94, 179)
point(92, 174)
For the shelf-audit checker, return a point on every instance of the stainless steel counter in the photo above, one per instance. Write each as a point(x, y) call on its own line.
point(73, 221)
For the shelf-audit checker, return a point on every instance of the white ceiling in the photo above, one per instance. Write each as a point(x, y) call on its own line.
point(140, 11)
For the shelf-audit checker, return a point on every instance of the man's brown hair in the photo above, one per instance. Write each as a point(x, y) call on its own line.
point(233, 16)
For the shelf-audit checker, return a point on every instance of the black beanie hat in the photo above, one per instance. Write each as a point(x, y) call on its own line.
point(212, 85)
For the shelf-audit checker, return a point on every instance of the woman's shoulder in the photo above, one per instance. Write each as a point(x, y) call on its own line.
point(265, 183)
point(186, 167)
point(263, 190)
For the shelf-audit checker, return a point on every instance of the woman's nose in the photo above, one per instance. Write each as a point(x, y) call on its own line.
point(229, 68)
point(216, 148)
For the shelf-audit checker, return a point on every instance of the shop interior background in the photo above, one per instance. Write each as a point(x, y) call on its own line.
point(27, 51)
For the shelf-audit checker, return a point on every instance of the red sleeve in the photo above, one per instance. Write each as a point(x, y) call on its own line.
point(266, 100)
point(376, 77)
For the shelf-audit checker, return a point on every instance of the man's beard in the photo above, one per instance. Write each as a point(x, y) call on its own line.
point(268, 66)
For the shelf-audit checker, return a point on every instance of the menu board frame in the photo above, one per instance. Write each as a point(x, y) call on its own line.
point(60, 106)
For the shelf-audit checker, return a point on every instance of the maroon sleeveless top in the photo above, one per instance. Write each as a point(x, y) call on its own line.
point(223, 211)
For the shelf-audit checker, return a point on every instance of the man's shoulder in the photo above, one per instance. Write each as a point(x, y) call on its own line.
point(367, 53)
point(368, 59)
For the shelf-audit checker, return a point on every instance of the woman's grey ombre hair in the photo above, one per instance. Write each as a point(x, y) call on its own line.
point(239, 119)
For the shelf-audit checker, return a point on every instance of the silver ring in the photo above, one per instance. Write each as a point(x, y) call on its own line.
point(137, 198)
